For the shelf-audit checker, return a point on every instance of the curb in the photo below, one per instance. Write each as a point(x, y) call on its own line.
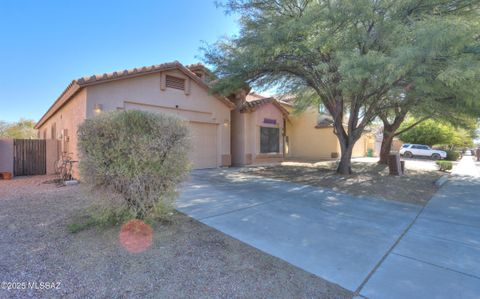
point(441, 180)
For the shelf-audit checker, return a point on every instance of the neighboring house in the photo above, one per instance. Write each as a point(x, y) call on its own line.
point(169, 88)
point(309, 135)
point(244, 129)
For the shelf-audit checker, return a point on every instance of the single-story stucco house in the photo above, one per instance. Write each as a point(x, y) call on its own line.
point(243, 129)
point(309, 135)
point(169, 88)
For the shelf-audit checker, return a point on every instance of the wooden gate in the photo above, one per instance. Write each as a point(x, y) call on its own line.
point(29, 157)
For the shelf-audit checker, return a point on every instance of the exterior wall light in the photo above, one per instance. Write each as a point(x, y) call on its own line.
point(226, 123)
point(97, 108)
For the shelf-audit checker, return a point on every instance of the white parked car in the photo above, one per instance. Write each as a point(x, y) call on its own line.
point(410, 150)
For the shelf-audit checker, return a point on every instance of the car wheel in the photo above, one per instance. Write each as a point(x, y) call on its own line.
point(436, 157)
point(408, 154)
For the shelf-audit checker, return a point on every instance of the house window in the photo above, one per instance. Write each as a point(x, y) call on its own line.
point(174, 82)
point(269, 140)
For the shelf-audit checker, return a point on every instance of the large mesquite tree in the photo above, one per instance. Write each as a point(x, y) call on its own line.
point(446, 86)
point(350, 54)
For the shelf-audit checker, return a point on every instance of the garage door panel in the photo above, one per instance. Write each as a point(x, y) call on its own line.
point(204, 135)
point(204, 145)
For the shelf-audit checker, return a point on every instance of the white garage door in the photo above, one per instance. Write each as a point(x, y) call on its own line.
point(204, 145)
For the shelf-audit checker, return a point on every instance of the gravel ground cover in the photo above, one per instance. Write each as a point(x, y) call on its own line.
point(368, 178)
point(187, 259)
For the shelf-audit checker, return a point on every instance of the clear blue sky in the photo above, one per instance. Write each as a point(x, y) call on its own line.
point(46, 44)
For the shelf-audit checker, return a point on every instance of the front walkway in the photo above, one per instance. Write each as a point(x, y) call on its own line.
point(439, 256)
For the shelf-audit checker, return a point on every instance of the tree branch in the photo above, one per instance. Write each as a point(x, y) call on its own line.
point(411, 126)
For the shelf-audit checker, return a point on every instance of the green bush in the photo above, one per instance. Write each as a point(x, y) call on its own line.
point(445, 165)
point(136, 156)
point(452, 155)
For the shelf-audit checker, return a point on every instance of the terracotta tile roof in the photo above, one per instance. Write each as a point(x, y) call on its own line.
point(126, 73)
point(325, 122)
point(253, 104)
point(254, 101)
point(198, 66)
point(80, 83)
point(255, 96)
point(286, 99)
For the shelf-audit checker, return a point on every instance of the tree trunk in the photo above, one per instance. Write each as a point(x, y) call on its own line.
point(389, 132)
point(347, 138)
point(387, 141)
point(345, 165)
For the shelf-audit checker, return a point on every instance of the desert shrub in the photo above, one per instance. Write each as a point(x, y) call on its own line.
point(452, 155)
point(137, 156)
point(445, 165)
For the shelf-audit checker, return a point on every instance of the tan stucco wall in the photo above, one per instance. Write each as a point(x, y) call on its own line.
point(238, 137)
point(69, 117)
point(360, 147)
point(52, 154)
point(246, 135)
point(307, 142)
point(310, 143)
point(144, 93)
point(6, 155)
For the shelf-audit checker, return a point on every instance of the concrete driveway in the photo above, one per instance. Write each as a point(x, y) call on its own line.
point(373, 247)
point(338, 237)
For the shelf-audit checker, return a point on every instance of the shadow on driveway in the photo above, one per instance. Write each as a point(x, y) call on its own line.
point(336, 236)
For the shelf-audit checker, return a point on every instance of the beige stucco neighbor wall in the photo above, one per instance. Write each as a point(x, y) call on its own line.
point(307, 142)
point(360, 147)
point(144, 93)
point(66, 121)
point(367, 141)
point(6, 155)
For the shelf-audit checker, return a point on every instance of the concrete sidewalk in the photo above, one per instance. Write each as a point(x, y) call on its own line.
point(467, 167)
point(439, 256)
